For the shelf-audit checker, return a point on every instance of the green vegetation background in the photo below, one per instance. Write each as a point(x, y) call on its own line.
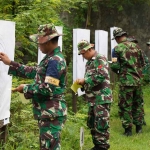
point(28, 14)
point(23, 132)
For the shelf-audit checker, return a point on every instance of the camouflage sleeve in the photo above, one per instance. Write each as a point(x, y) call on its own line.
point(20, 70)
point(33, 90)
point(142, 56)
point(143, 59)
point(115, 66)
point(97, 74)
point(44, 88)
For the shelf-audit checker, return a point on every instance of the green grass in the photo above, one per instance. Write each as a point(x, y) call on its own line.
point(23, 131)
point(117, 140)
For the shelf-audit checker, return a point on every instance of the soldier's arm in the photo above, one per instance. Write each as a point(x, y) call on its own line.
point(97, 75)
point(48, 87)
point(143, 59)
point(20, 70)
point(115, 66)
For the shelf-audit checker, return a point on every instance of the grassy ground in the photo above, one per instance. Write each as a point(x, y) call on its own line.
point(23, 131)
point(117, 140)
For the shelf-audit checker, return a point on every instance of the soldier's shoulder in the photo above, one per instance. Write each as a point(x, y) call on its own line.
point(58, 57)
point(125, 45)
point(101, 58)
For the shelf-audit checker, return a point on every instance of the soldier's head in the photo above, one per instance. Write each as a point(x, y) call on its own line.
point(86, 49)
point(119, 35)
point(46, 38)
point(132, 39)
point(148, 44)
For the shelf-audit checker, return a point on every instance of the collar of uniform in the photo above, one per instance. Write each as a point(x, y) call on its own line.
point(56, 50)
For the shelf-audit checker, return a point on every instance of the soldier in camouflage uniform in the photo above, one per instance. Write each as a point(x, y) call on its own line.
point(128, 65)
point(145, 68)
point(47, 89)
point(96, 84)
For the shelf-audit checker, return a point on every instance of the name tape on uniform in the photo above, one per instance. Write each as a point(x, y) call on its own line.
point(52, 80)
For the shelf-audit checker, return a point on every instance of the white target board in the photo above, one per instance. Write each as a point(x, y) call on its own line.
point(78, 61)
point(60, 31)
point(101, 42)
point(7, 46)
point(113, 42)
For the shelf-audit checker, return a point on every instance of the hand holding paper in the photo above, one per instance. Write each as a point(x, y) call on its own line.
point(75, 86)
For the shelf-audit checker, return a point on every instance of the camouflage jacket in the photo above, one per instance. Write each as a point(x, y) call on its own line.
point(47, 98)
point(129, 65)
point(147, 66)
point(97, 81)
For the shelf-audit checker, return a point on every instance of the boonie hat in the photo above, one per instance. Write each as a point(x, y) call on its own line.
point(148, 43)
point(84, 45)
point(132, 39)
point(118, 32)
point(45, 33)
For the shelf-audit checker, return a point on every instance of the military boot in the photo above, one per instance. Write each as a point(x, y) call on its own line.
point(98, 148)
point(128, 131)
point(138, 129)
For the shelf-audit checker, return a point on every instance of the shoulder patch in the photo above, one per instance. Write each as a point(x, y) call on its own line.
point(100, 66)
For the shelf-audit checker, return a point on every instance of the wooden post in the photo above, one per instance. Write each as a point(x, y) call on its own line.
point(3, 132)
point(74, 102)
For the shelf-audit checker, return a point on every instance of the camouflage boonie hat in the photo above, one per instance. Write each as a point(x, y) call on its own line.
point(45, 33)
point(84, 45)
point(118, 32)
point(148, 43)
point(132, 39)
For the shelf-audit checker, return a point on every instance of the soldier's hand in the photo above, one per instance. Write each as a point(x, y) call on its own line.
point(80, 81)
point(4, 58)
point(19, 88)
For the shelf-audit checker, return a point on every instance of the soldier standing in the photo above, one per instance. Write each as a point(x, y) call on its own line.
point(96, 83)
point(145, 68)
point(128, 65)
point(47, 89)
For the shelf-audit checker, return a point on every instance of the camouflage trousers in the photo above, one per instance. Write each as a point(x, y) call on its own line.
point(98, 122)
point(130, 104)
point(50, 133)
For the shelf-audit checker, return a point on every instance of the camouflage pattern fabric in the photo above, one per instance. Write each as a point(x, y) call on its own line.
point(47, 99)
point(45, 33)
point(50, 133)
point(98, 122)
point(131, 105)
point(99, 97)
point(130, 62)
point(97, 81)
point(146, 69)
point(118, 32)
point(84, 45)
